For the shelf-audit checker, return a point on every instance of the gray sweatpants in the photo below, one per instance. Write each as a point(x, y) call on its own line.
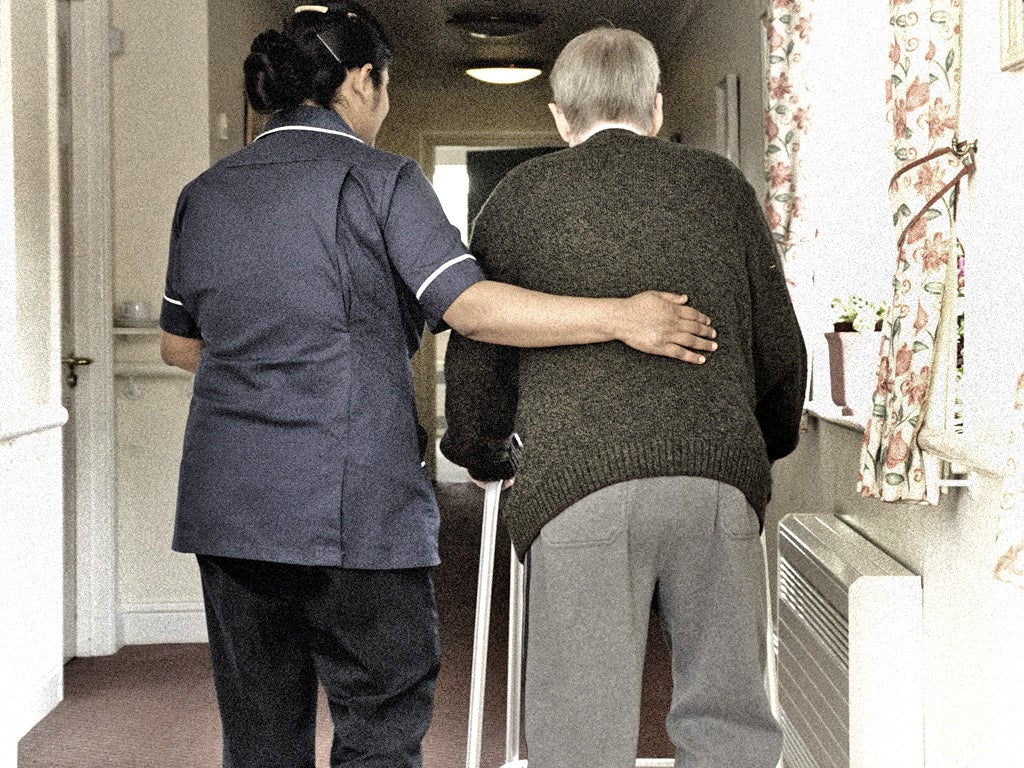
point(690, 546)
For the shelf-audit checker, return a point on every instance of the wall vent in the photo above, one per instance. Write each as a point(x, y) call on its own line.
point(849, 650)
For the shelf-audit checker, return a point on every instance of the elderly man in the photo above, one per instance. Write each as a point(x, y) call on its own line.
point(642, 482)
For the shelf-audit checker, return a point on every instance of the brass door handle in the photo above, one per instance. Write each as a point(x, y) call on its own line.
point(72, 361)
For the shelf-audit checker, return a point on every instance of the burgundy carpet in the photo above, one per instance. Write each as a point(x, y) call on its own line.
point(154, 706)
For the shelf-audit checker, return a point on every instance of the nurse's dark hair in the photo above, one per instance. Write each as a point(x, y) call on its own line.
point(310, 57)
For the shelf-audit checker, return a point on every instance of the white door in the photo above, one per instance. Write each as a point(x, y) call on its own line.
point(89, 469)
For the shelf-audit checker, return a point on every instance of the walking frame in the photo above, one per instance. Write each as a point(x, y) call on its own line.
point(481, 631)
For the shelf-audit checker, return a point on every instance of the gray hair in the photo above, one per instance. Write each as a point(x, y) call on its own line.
point(606, 75)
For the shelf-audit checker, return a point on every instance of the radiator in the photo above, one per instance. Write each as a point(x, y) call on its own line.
point(849, 645)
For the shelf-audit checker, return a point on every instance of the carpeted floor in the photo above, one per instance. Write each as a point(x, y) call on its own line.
point(154, 706)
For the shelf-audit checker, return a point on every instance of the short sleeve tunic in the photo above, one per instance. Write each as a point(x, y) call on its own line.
point(308, 262)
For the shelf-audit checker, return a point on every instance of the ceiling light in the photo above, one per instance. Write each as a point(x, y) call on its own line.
point(487, 25)
point(503, 74)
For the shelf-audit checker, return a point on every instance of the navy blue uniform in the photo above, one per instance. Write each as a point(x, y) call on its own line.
point(307, 262)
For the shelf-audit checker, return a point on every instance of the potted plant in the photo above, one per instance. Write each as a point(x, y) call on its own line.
point(856, 314)
point(853, 350)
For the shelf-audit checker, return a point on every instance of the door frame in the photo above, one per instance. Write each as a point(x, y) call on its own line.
point(91, 291)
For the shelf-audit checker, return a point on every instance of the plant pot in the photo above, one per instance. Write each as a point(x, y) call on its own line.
point(853, 367)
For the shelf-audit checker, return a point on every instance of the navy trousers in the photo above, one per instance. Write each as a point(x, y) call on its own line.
point(368, 637)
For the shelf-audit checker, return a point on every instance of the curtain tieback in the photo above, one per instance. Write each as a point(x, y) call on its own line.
point(963, 151)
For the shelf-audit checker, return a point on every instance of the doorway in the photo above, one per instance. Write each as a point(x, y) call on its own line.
point(464, 177)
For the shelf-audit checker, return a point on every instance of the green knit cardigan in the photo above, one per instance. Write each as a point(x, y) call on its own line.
point(615, 215)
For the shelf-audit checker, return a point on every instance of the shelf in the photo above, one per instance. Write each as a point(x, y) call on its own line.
point(137, 330)
point(149, 370)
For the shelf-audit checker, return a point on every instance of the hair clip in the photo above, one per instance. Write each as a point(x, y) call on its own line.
point(324, 9)
point(331, 50)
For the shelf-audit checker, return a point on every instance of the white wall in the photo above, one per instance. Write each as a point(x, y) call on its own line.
point(180, 70)
point(232, 26)
point(160, 117)
point(973, 625)
point(31, 511)
point(721, 38)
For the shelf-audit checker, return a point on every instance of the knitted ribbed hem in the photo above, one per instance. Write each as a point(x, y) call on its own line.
point(542, 492)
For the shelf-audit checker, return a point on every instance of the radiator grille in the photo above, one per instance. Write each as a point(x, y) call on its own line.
point(811, 609)
point(835, 610)
point(813, 674)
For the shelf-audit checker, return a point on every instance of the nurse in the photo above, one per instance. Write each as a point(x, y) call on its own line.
point(302, 269)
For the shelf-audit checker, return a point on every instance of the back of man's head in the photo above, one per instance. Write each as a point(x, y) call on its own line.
point(606, 75)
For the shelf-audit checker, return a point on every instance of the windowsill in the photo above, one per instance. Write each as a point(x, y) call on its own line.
point(970, 455)
point(967, 455)
point(828, 411)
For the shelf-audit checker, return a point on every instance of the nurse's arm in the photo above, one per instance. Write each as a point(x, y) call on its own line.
point(180, 351)
point(655, 322)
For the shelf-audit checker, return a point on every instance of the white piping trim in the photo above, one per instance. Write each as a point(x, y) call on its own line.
point(310, 128)
point(437, 272)
point(172, 301)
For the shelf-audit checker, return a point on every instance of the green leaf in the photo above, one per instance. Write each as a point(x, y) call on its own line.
point(776, 59)
point(934, 287)
point(940, 17)
point(878, 410)
point(772, 149)
point(933, 213)
point(789, 137)
point(950, 58)
point(920, 346)
point(894, 478)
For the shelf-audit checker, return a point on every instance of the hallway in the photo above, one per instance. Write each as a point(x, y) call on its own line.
point(154, 705)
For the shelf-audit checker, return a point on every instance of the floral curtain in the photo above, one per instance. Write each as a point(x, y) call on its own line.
point(1010, 543)
point(923, 99)
point(787, 118)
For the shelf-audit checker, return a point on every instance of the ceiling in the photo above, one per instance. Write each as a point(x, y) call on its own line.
point(423, 40)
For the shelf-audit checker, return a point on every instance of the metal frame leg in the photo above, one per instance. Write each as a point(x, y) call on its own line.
point(482, 624)
point(516, 615)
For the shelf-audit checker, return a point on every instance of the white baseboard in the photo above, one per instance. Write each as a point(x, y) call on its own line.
point(150, 623)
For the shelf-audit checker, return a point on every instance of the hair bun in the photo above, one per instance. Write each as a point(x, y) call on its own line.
point(277, 73)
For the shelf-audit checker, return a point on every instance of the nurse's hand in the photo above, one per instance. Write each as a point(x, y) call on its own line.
point(655, 322)
point(662, 323)
point(180, 351)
